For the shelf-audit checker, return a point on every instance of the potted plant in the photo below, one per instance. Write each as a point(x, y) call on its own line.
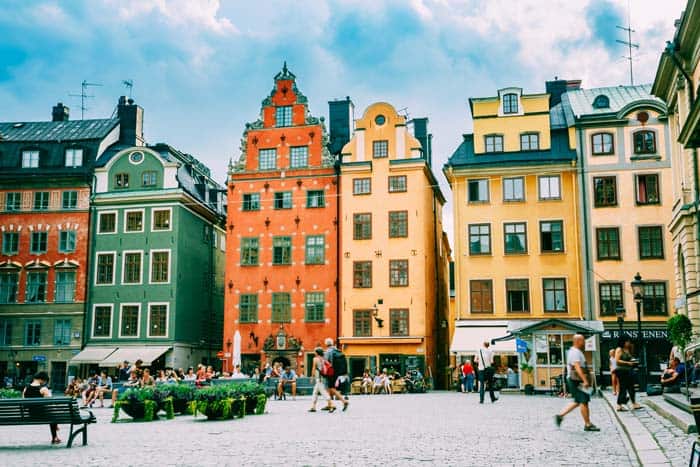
point(142, 404)
point(215, 402)
point(252, 393)
point(10, 394)
point(180, 394)
point(527, 370)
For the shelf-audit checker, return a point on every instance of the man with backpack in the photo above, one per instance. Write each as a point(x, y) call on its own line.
point(338, 378)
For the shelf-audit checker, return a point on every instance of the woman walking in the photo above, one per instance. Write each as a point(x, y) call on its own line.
point(320, 386)
point(624, 366)
point(613, 377)
point(37, 388)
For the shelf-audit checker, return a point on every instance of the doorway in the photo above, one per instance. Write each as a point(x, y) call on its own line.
point(58, 376)
point(358, 365)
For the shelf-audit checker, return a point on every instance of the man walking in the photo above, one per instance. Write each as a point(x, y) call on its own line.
point(485, 358)
point(340, 372)
point(579, 383)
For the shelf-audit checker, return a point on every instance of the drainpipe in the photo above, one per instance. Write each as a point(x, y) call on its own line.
point(338, 253)
point(584, 213)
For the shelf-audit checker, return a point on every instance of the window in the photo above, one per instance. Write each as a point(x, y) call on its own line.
point(361, 186)
point(398, 224)
point(5, 332)
point(380, 148)
point(549, 187)
point(644, 142)
point(610, 297)
point(41, 200)
point(551, 236)
point(651, 243)
point(283, 200)
point(398, 322)
point(32, 332)
point(108, 222)
point(10, 243)
point(149, 178)
point(362, 226)
point(362, 274)
point(529, 142)
point(282, 250)
point(74, 157)
point(250, 251)
point(251, 202)
point(121, 180)
point(66, 241)
point(315, 249)
point(132, 268)
point(38, 243)
point(158, 320)
point(315, 307)
point(602, 144)
point(514, 189)
point(281, 307)
point(129, 321)
point(554, 295)
point(13, 201)
point(608, 243)
point(8, 286)
point(654, 301)
point(102, 324)
point(36, 287)
point(601, 102)
point(134, 221)
point(160, 267)
point(478, 191)
point(397, 184)
point(315, 199)
point(362, 323)
point(105, 268)
point(283, 115)
point(248, 308)
point(648, 189)
point(267, 159)
point(604, 191)
point(65, 287)
point(69, 199)
point(299, 156)
point(518, 295)
point(30, 159)
point(161, 219)
point(515, 236)
point(480, 296)
point(493, 143)
point(398, 273)
point(510, 103)
point(480, 239)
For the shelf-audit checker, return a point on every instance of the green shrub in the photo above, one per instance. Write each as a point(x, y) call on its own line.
point(10, 394)
point(680, 330)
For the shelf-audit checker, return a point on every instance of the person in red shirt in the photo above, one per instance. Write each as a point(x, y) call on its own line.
point(468, 373)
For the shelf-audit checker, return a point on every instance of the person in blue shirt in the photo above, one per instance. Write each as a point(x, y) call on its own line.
point(287, 378)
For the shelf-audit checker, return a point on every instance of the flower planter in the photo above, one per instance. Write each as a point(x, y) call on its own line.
point(250, 404)
point(138, 410)
point(215, 410)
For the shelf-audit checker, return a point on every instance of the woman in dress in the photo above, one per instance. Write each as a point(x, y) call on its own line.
point(613, 377)
point(320, 386)
point(37, 388)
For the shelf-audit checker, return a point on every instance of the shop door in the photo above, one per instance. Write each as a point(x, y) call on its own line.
point(58, 376)
point(358, 365)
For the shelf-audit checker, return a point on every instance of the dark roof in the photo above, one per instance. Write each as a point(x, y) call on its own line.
point(559, 153)
point(75, 130)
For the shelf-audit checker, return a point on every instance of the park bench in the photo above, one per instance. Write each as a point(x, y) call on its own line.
point(305, 386)
point(45, 410)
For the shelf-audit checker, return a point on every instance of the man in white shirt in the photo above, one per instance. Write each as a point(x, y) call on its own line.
point(579, 383)
point(485, 360)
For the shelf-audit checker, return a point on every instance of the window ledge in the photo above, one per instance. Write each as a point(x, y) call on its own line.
point(645, 157)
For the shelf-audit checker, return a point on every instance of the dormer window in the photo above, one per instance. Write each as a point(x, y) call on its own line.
point(121, 180)
point(30, 159)
point(601, 102)
point(510, 103)
point(74, 157)
point(493, 143)
point(644, 142)
point(283, 116)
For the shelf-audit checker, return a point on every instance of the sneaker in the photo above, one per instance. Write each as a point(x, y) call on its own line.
point(558, 419)
point(591, 427)
point(325, 408)
point(312, 410)
point(345, 406)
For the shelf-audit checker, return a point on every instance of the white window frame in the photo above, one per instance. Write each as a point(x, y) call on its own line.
point(138, 321)
point(153, 218)
point(150, 265)
point(116, 222)
point(539, 188)
point(73, 153)
point(114, 267)
point(167, 320)
point(123, 271)
point(111, 320)
point(33, 163)
point(524, 189)
point(143, 220)
point(488, 190)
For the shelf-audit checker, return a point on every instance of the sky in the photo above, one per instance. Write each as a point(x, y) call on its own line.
point(200, 68)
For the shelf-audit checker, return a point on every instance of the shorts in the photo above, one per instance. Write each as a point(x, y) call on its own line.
point(576, 391)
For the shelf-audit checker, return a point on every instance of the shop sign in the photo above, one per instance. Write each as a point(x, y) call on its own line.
point(520, 345)
point(649, 334)
point(39, 358)
point(541, 345)
point(590, 344)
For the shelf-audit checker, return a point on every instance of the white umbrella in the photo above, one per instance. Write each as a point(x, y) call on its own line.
point(236, 349)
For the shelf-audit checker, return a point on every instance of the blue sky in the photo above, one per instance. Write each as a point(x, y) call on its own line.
point(201, 68)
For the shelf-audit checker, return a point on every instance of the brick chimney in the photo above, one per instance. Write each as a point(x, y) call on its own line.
point(130, 122)
point(60, 113)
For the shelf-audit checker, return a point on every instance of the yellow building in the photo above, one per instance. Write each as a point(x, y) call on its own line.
point(394, 260)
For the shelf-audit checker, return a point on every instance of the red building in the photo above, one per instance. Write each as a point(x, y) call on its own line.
point(281, 266)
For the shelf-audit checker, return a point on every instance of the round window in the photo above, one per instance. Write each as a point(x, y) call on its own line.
point(136, 157)
point(380, 119)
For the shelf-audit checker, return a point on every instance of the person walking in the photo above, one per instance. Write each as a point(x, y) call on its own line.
point(468, 372)
point(579, 382)
point(614, 381)
point(624, 366)
point(486, 373)
point(320, 385)
point(340, 372)
point(37, 388)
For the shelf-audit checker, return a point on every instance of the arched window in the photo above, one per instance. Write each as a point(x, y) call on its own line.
point(601, 102)
point(602, 144)
point(644, 142)
point(510, 103)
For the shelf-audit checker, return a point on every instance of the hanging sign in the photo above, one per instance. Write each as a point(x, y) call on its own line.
point(520, 345)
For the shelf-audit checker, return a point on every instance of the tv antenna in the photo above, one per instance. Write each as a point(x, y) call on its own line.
point(630, 45)
point(128, 84)
point(404, 112)
point(84, 95)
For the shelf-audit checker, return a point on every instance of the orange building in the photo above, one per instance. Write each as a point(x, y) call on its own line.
point(281, 256)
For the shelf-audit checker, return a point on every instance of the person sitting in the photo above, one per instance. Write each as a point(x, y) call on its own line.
point(147, 380)
point(379, 384)
point(171, 376)
point(90, 389)
point(161, 377)
point(387, 381)
point(237, 372)
point(104, 385)
point(288, 377)
point(673, 376)
point(366, 383)
point(190, 376)
point(73, 389)
point(38, 388)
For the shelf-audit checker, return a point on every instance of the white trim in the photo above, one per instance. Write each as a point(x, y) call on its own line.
point(167, 319)
point(150, 265)
point(114, 267)
point(123, 271)
point(111, 320)
point(170, 219)
point(116, 222)
point(138, 321)
point(143, 220)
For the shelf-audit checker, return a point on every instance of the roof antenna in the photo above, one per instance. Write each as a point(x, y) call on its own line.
point(84, 95)
point(129, 85)
point(630, 45)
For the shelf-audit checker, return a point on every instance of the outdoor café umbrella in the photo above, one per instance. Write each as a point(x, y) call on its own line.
point(236, 349)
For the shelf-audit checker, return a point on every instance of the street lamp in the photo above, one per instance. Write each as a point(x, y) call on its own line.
point(620, 313)
point(638, 290)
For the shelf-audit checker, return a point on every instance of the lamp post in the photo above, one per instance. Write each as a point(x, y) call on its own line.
point(620, 313)
point(638, 290)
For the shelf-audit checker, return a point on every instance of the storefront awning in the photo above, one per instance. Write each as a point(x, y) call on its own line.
point(92, 354)
point(131, 354)
point(469, 339)
point(580, 326)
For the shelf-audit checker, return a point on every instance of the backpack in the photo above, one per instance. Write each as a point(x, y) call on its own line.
point(340, 363)
point(327, 368)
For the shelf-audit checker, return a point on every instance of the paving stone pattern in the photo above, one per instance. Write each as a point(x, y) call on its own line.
point(438, 428)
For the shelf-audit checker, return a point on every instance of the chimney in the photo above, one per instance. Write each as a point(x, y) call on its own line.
point(341, 113)
point(420, 131)
point(558, 87)
point(130, 122)
point(60, 113)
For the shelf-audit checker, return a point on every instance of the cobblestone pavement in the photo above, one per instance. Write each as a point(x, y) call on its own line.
point(409, 429)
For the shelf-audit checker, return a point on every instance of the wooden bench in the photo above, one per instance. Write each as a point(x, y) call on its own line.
point(45, 410)
point(305, 386)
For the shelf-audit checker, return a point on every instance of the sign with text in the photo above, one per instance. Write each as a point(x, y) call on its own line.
point(39, 358)
point(647, 334)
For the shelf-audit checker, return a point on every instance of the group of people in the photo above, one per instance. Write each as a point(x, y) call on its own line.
point(330, 373)
point(623, 368)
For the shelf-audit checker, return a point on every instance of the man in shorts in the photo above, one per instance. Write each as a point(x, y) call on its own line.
point(579, 383)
